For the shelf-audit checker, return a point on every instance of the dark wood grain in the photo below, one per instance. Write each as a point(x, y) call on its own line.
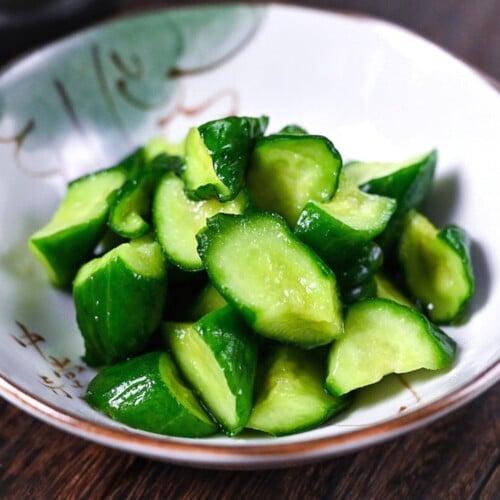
point(456, 457)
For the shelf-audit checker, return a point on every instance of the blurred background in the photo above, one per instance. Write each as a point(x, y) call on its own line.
point(470, 29)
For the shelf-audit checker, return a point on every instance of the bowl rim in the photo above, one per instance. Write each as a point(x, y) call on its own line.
point(267, 452)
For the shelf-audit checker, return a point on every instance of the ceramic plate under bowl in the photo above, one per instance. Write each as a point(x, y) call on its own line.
point(379, 92)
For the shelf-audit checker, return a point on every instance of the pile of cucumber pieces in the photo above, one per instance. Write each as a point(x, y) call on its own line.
point(248, 281)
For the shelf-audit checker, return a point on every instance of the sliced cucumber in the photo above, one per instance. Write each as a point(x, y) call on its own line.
point(119, 300)
point(147, 393)
point(177, 219)
point(280, 286)
point(288, 170)
point(208, 301)
point(386, 289)
point(218, 356)
point(356, 293)
point(217, 154)
point(130, 211)
point(437, 267)
point(69, 239)
point(356, 273)
point(159, 146)
point(382, 337)
point(342, 226)
point(407, 182)
point(360, 266)
point(293, 129)
point(290, 395)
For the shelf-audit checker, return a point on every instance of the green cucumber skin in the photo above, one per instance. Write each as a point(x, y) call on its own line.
point(356, 277)
point(207, 301)
point(229, 142)
point(437, 268)
point(359, 292)
point(292, 129)
point(217, 226)
point(165, 217)
point(68, 250)
point(117, 311)
point(279, 203)
point(334, 241)
point(359, 267)
point(409, 187)
point(458, 239)
point(445, 345)
point(235, 349)
point(134, 393)
point(133, 163)
point(310, 365)
point(218, 223)
point(135, 196)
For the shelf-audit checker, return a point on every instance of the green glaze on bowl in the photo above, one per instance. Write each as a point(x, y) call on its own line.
point(94, 96)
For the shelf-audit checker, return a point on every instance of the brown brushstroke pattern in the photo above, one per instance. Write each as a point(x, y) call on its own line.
point(64, 373)
point(20, 137)
point(135, 73)
point(180, 107)
point(408, 386)
point(137, 102)
point(106, 91)
point(68, 107)
point(177, 72)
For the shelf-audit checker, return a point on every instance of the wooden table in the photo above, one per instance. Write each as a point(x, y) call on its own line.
point(456, 457)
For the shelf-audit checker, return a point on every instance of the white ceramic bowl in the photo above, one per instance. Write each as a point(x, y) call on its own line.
point(379, 92)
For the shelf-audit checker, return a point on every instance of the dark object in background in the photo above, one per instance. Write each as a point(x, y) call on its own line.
point(25, 24)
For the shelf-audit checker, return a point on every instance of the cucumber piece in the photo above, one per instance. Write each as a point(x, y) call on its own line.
point(119, 300)
point(345, 224)
point(177, 219)
point(290, 395)
point(147, 393)
point(131, 207)
point(359, 292)
point(71, 236)
point(358, 267)
point(280, 286)
point(407, 182)
point(437, 267)
point(217, 154)
point(218, 357)
point(293, 129)
point(208, 301)
point(69, 239)
point(287, 171)
point(386, 289)
point(382, 337)
point(356, 273)
point(160, 146)
point(109, 241)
